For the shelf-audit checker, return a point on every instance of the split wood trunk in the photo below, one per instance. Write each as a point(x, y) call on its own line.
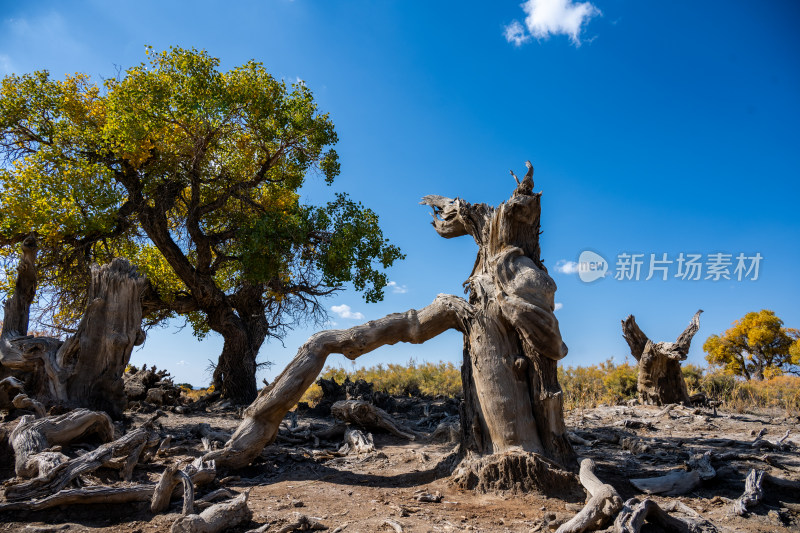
point(660, 380)
point(512, 400)
point(86, 369)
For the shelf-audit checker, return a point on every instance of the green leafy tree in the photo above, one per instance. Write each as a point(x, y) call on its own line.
point(757, 346)
point(193, 174)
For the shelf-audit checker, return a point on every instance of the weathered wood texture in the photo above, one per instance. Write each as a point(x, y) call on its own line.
point(366, 415)
point(660, 380)
point(601, 508)
point(86, 369)
point(512, 343)
point(220, 517)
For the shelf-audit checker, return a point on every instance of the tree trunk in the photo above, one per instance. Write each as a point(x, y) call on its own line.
point(235, 373)
point(660, 380)
point(85, 370)
point(513, 433)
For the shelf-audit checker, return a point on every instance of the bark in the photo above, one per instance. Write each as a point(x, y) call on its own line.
point(85, 370)
point(235, 373)
point(660, 380)
point(513, 403)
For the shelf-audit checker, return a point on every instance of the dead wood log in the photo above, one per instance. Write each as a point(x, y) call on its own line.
point(33, 436)
point(219, 517)
point(634, 514)
point(85, 370)
point(61, 475)
point(513, 405)
point(22, 401)
point(87, 495)
point(9, 388)
point(601, 508)
point(368, 416)
point(356, 441)
point(753, 492)
point(660, 380)
point(673, 484)
point(301, 522)
point(200, 474)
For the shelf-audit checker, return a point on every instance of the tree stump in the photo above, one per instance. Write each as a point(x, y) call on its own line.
point(86, 369)
point(512, 431)
point(660, 380)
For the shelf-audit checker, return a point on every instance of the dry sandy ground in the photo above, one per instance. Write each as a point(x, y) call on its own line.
point(362, 493)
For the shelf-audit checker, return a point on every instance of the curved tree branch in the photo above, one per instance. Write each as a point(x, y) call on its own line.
point(261, 419)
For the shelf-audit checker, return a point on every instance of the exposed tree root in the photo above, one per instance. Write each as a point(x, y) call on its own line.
point(514, 471)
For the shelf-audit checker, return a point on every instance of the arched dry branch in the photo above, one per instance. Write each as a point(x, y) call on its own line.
point(660, 380)
point(86, 369)
point(513, 403)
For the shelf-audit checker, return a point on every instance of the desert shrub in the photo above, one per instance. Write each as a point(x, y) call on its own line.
point(411, 379)
point(582, 386)
point(693, 375)
point(620, 382)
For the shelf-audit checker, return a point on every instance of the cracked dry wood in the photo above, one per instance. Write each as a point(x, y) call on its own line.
point(512, 343)
point(601, 508)
point(77, 422)
point(368, 416)
point(32, 437)
point(219, 517)
point(634, 514)
point(85, 370)
point(660, 380)
point(753, 492)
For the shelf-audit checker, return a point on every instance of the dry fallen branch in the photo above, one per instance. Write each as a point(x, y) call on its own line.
point(356, 441)
point(634, 514)
point(59, 477)
point(219, 517)
point(673, 484)
point(368, 416)
point(88, 495)
point(32, 436)
point(601, 507)
point(752, 492)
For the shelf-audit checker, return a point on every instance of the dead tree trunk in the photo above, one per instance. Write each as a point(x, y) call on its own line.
point(660, 380)
point(86, 369)
point(512, 418)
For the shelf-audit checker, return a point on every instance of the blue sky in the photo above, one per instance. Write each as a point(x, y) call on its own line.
point(653, 127)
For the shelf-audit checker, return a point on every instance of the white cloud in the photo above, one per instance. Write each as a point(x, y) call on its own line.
point(551, 17)
point(397, 289)
point(344, 311)
point(181, 362)
point(566, 267)
point(6, 67)
point(558, 306)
